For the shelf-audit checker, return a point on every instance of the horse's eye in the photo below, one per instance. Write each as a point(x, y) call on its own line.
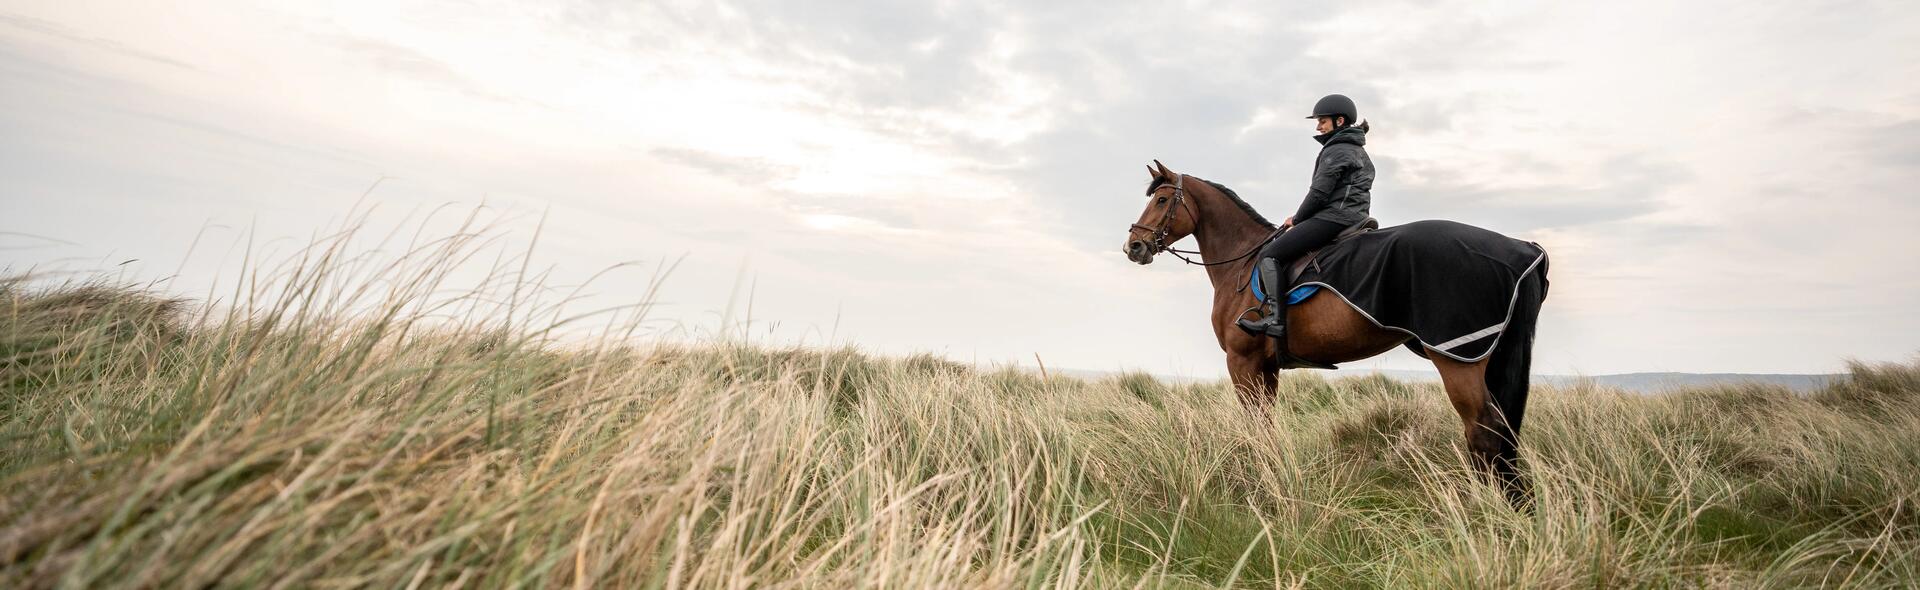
point(1160, 200)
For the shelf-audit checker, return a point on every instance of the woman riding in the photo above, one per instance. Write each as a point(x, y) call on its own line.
point(1340, 197)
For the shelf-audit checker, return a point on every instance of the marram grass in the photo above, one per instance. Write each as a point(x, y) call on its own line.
point(342, 434)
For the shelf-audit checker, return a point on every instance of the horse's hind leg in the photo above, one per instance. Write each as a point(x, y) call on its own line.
point(1490, 442)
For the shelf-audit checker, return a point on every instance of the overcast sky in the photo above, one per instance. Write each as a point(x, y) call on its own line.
point(1723, 186)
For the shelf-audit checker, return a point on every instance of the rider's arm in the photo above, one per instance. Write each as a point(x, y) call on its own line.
point(1333, 167)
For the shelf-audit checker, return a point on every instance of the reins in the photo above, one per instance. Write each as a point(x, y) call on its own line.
point(1166, 222)
point(1243, 256)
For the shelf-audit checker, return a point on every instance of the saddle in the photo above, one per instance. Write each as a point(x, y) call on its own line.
point(1289, 296)
point(1308, 260)
point(1312, 257)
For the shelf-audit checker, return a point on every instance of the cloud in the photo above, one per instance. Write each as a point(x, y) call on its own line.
point(753, 172)
point(1628, 186)
point(55, 30)
point(1894, 145)
point(411, 63)
point(983, 159)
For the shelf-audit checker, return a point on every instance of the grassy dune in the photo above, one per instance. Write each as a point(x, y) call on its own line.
point(335, 430)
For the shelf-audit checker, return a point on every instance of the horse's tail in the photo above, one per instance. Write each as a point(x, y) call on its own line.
point(1512, 361)
point(1507, 380)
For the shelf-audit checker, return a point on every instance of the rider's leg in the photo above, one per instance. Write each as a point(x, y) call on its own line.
point(1274, 257)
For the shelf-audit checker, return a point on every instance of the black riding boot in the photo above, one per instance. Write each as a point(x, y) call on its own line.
point(1275, 322)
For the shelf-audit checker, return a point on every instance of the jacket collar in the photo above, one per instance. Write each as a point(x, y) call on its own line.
point(1350, 134)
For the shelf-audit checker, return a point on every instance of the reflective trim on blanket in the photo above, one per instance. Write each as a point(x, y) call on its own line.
point(1482, 333)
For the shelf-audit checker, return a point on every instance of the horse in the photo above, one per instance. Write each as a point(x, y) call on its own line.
point(1490, 395)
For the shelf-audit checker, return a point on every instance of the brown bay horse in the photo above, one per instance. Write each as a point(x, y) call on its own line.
point(1489, 394)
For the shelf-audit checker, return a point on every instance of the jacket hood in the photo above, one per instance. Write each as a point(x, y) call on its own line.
point(1354, 134)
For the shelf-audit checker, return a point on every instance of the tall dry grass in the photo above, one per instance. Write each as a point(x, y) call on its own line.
point(350, 421)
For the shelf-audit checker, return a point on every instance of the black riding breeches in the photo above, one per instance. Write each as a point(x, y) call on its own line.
point(1304, 236)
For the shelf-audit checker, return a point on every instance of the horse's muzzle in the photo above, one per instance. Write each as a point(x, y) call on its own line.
point(1139, 252)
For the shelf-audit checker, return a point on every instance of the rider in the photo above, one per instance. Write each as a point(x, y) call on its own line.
point(1339, 197)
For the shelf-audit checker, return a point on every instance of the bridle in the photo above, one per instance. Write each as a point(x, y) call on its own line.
point(1166, 222)
point(1166, 219)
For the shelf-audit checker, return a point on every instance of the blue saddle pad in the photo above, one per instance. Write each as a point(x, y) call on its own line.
point(1299, 294)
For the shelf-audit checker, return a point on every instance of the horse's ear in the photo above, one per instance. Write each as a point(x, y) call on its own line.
point(1164, 172)
point(1151, 173)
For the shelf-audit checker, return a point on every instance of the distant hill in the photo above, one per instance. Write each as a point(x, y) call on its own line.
point(1652, 382)
point(1640, 382)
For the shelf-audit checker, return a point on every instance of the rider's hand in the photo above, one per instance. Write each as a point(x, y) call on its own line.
point(1287, 223)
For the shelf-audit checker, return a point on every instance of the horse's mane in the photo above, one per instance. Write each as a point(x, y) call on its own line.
point(1231, 196)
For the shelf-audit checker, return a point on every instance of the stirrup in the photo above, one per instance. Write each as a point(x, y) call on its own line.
point(1266, 326)
point(1253, 327)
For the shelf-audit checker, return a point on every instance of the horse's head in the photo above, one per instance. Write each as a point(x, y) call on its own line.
point(1167, 218)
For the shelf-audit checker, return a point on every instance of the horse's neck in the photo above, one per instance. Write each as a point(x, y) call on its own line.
point(1225, 231)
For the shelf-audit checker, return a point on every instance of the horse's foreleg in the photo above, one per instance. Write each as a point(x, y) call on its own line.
point(1251, 382)
point(1269, 381)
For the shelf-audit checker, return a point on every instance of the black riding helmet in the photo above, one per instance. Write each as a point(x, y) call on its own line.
point(1336, 105)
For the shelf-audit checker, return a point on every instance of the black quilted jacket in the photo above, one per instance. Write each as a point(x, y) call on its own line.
point(1342, 189)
